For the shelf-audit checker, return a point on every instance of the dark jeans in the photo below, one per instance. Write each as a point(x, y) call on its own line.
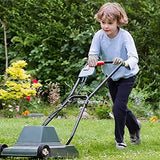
point(120, 91)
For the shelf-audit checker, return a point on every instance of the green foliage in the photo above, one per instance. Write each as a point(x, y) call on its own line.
point(137, 103)
point(45, 37)
point(9, 109)
point(101, 109)
point(54, 36)
point(144, 25)
point(2, 59)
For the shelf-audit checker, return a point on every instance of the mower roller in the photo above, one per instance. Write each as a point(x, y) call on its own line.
point(42, 141)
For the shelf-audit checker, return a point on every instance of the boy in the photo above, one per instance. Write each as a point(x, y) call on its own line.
point(113, 43)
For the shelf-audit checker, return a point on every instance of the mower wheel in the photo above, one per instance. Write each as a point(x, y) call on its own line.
point(2, 146)
point(43, 151)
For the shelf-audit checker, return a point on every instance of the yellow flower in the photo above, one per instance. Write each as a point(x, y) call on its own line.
point(28, 92)
point(20, 63)
point(19, 95)
point(16, 71)
point(26, 85)
point(23, 75)
point(31, 92)
point(36, 85)
point(17, 87)
point(2, 91)
point(10, 83)
point(154, 118)
point(4, 94)
point(13, 86)
point(18, 83)
point(11, 71)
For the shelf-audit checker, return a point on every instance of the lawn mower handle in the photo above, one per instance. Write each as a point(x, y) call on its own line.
point(99, 63)
point(90, 95)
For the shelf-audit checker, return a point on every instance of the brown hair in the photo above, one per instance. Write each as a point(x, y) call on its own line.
point(112, 11)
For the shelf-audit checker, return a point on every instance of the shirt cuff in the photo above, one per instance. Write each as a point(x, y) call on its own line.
point(92, 54)
point(132, 61)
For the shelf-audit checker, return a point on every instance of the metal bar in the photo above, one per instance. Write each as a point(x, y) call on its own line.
point(105, 61)
point(78, 120)
point(74, 87)
point(84, 81)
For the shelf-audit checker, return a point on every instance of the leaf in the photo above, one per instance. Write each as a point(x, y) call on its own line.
point(16, 39)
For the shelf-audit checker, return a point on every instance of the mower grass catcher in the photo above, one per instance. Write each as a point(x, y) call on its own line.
point(42, 141)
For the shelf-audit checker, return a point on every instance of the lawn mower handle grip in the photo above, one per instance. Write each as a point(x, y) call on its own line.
point(99, 63)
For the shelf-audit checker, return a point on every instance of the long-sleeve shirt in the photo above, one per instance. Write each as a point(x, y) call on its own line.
point(122, 46)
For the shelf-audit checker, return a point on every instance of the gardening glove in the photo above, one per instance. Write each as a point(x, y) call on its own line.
point(92, 61)
point(118, 60)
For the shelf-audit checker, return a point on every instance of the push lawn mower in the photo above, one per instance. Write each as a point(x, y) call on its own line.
point(42, 141)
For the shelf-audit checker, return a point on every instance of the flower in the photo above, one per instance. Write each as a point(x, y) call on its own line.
point(20, 63)
point(17, 72)
point(10, 106)
point(18, 86)
point(28, 98)
point(11, 110)
point(25, 113)
point(35, 81)
point(154, 118)
point(17, 108)
point(104, 98)
point(36, 85)
point(3, 94)
point(18, 83)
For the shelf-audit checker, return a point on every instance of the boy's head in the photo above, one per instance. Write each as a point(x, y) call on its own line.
point(112, 11)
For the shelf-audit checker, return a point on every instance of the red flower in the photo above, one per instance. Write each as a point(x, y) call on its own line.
point(28, 98)
point(104, 97)
point(35, 81)
point(101, 105)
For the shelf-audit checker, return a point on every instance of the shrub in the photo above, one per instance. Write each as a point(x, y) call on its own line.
point(138, 103)
point(17, 87)
point(101, 110)
point(55, 36)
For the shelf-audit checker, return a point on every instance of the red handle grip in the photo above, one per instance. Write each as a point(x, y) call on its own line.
point(99, 63)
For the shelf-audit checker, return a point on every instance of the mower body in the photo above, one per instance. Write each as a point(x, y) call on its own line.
point(41, 142)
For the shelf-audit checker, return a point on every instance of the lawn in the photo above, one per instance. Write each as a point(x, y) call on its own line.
point(94, 139)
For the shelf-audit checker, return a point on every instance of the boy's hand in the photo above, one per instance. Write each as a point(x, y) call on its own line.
point(118, 60)
point(92, 61)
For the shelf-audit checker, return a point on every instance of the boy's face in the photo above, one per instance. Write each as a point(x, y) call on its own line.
point(110, 27)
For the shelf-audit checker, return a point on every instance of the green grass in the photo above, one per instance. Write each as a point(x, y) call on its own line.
point(94, 139)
